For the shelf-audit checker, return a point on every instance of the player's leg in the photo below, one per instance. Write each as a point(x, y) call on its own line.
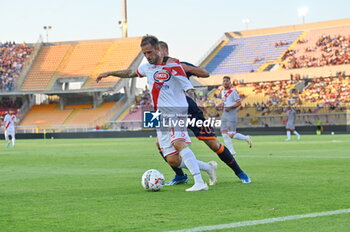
point(226, 137)
point(232, 132)
point(288, 134)
point(226, 157)
point(296, 133)
point(7, 138)
point(173, 144)
point(13, 138)
point(179, 138)
point(188, 160)
point(180, 176)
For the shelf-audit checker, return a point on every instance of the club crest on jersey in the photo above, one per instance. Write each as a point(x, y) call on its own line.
point(161, 76)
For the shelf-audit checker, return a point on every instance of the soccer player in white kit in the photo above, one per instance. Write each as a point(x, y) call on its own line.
point(9, 128)
point(231, 102)
point(167, 84)
point(290, 125)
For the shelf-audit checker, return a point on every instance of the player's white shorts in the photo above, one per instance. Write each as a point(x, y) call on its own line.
point(229, 125)
point(9, 132)
point(290, 125)
point(229, 121)
point(168, 135)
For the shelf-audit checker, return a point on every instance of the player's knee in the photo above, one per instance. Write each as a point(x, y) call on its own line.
point(173, 160)
point(231, 134)
point(213, 144)
point(179, 145)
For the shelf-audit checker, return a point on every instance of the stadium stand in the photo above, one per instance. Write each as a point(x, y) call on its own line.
point(68, 70)
point(247, 54)
point(81, 59)
point(270, 70)
point(12, 59)
point(88, 116)
point(50, 116)
point(322, 47)
point(252, 58)
point(44, 67)
point(45, 116)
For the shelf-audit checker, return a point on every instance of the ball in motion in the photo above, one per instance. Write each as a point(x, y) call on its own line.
point(152, 180)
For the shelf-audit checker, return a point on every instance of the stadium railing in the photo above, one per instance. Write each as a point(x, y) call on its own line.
point(301, 120)
point(332, 119)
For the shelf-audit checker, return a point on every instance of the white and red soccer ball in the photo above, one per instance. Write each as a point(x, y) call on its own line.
point(152, 180)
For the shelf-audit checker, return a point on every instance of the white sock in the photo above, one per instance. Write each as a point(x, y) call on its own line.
point(240, 136)
point(228, 142)
point(13, 142)
point(288, 135)
point(203, 166)
point(189, 159)
point(296, 133)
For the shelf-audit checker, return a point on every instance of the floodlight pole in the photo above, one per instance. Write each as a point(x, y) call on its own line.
point(246, 22)
point(302, 14)
point(47, 28)
point(125, 20)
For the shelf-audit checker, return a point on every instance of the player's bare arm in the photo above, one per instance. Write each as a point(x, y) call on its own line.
point(237, 104)
point(120, 73)
point(199, 72)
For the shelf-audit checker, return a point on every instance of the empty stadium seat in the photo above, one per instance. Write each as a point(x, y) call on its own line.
point(238, 55)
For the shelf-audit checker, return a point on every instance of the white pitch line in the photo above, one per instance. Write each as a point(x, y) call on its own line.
point(263, 221)
point(294, 156)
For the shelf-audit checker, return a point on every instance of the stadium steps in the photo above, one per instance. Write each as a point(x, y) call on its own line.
point(279, 59)
point(99, 66)
point(63, 63)
point(263, 67)
point(103, 61)
point(71, 116)
point(125, 113)
point(214, 53)
point(88, 116)
point(45, 116)
point(84, 59)
point(238, 55)
point(44, 67)
point(118, 56)
point(291, 47)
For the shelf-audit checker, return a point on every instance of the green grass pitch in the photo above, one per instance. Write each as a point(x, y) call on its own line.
point(95, 185)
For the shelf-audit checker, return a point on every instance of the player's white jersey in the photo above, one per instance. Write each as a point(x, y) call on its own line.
point(9, 122)
point(167, 83)
point(229, 97)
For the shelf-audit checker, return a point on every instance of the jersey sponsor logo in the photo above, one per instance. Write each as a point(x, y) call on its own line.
point(161, 76)
point(163, 87)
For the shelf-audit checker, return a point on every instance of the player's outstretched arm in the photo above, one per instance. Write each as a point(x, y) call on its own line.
point(199, 72)
point(120, 73)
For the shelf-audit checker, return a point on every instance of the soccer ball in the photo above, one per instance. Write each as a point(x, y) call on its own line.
point(152, 180)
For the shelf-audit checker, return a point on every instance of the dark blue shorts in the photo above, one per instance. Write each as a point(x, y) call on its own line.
point(202, 133)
